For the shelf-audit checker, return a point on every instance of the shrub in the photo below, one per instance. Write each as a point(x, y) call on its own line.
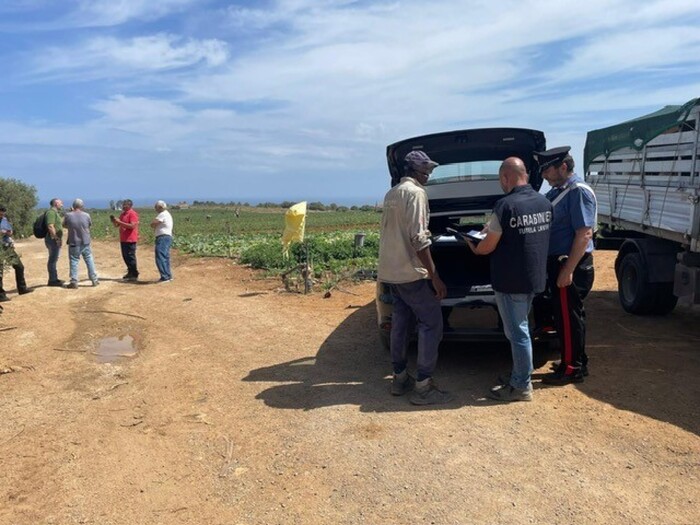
point(264, 255)
point(20, 200)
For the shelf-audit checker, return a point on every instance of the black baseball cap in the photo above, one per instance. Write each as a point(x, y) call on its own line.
point(419, 159)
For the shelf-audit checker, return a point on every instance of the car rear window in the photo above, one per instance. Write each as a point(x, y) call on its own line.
point(465, 171)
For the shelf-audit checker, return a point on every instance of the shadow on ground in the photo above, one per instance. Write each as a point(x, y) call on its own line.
point(351, 367)
point(647, 365)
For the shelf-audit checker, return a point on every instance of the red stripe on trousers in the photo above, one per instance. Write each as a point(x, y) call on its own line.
point(566, 322)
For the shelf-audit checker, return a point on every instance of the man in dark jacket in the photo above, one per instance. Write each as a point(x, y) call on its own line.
point(517, 237)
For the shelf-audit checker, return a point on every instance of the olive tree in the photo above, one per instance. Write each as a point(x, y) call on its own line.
point(20, 200)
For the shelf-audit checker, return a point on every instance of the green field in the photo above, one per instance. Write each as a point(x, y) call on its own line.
point(255, 238)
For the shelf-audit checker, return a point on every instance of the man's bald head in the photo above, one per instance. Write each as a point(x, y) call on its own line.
point(512, 173)
point(513, 166)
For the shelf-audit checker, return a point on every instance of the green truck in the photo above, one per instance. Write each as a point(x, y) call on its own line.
point(645, 173)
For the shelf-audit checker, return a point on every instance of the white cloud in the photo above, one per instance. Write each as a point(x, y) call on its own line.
point(123, 109)
point(383, 72)
point(162, 52)
point(95, 13)
point(108, 57)
point(633, 51)
point(282, 11)
point(314, 86)
point(20, 6)
point(52, 16)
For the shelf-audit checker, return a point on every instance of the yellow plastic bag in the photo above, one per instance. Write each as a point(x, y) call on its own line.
point(294, 226)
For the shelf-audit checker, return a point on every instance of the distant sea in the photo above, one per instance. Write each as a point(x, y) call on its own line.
point(103, 203)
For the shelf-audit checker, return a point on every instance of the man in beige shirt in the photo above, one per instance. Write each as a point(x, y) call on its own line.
point(406, 265)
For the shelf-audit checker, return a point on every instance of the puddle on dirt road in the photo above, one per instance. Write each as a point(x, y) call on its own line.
point(111, 349)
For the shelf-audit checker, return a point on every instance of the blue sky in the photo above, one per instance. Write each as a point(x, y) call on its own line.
point(297, 99)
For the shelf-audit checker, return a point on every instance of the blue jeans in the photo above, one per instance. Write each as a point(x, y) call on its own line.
point(74, 254)
point(163, 243)
point(417, 301)
point(514, 309)
point(54, 248)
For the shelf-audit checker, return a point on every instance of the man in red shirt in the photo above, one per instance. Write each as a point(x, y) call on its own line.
point(128, 224)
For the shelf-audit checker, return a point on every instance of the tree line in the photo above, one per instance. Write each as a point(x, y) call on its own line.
point(312, 206)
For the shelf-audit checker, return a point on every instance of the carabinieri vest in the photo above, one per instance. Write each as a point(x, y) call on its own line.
point(519, 262)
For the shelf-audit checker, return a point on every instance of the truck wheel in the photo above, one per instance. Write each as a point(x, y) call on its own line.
point(665, 300)
point(636, 294)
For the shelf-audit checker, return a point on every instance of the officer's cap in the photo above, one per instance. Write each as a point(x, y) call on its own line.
point(551, 157)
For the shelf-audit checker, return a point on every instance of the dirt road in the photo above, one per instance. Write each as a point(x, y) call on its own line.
point(244, 405)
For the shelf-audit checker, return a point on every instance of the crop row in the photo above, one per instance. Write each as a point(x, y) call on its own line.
point(247, 221)
point(254, 238)
point(329, 251)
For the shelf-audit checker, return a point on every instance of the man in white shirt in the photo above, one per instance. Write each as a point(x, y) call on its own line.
point(163, 225)
point(406, 265)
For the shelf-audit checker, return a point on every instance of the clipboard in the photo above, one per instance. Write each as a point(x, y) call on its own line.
point(473, 235)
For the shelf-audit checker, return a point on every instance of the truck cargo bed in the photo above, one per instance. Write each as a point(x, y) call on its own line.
point(654, 190)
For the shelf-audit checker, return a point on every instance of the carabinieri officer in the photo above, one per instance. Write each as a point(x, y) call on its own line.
point(517, 238)
point(570, 261)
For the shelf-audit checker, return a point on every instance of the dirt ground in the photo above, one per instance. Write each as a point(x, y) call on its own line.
point(245, 405)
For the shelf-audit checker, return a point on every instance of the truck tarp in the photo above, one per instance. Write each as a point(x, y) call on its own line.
point(634, 133)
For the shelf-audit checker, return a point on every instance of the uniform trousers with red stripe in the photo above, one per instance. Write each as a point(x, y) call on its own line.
point(568, 311)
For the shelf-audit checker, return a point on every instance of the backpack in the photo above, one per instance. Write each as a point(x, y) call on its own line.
point(40, 228)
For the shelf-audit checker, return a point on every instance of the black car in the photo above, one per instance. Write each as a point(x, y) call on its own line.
point(462, 191)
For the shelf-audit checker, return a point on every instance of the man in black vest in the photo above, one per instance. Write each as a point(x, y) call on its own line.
point(517, 237)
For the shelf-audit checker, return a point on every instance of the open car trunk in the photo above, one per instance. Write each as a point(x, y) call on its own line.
point(462, 272)
point(462, 191)
point(466, 182)
point(470, 306)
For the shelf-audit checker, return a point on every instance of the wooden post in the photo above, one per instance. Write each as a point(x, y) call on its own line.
point(306, 272)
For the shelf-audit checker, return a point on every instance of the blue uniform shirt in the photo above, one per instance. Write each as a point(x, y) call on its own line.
point(577, 209)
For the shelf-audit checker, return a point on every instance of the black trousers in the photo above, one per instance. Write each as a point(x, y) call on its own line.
point(568, 311)
point(129, 256)
point(17, 265)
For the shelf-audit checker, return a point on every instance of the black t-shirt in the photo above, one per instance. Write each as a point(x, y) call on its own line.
point(519, 262)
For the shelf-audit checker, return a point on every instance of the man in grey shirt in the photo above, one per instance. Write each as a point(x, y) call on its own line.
point(78, 223)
